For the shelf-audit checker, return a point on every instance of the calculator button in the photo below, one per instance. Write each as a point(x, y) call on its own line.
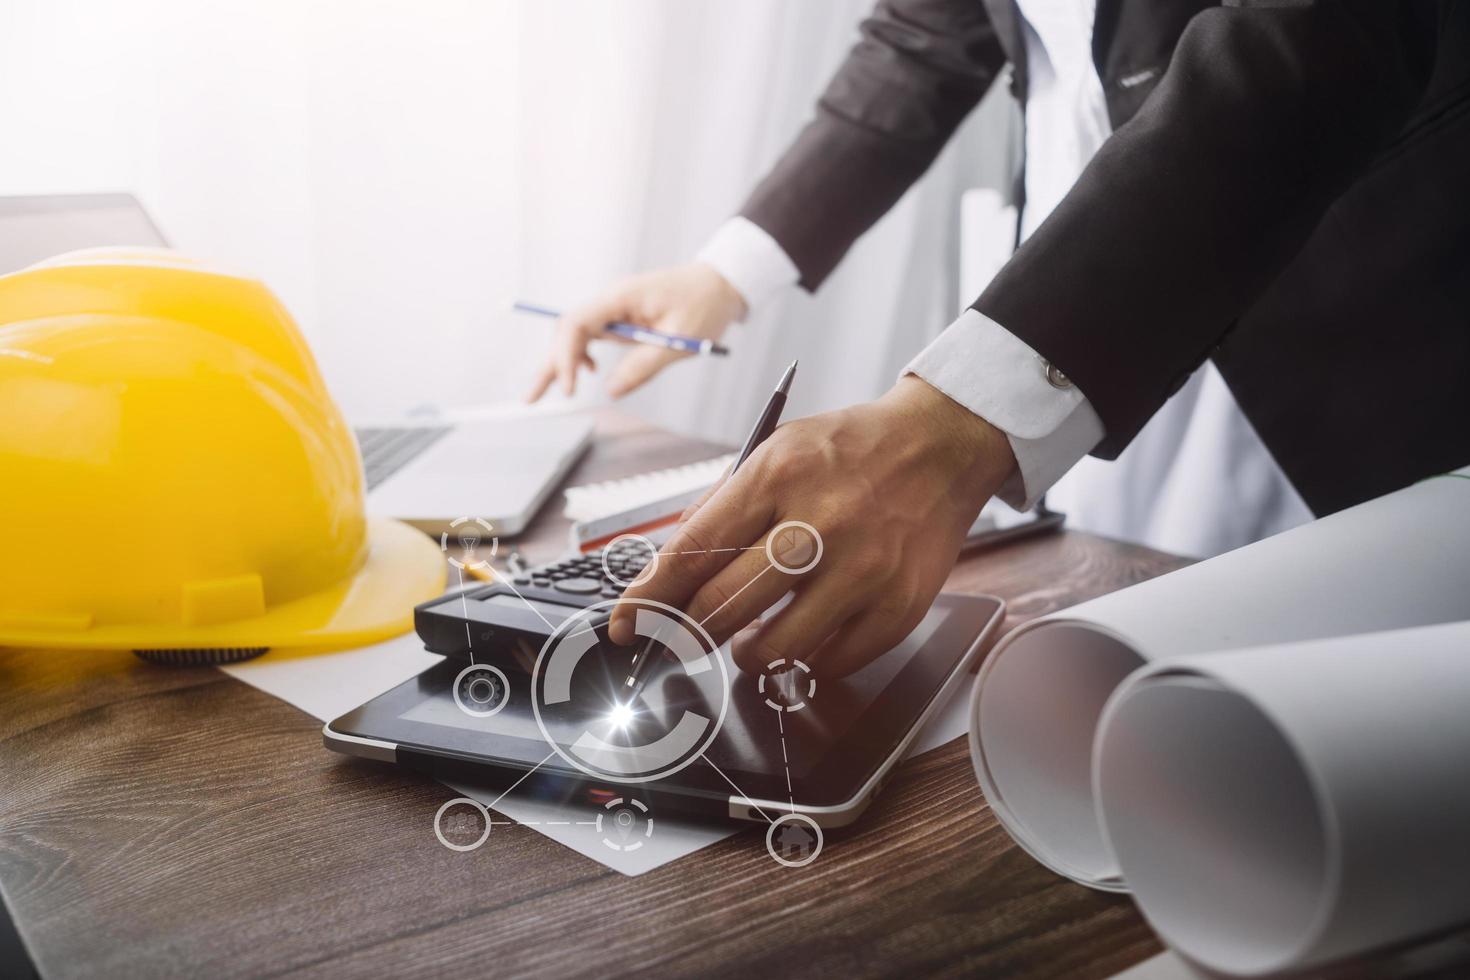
point(579, 586)
point(541, 582)
point(522, 580)
point(611, 592)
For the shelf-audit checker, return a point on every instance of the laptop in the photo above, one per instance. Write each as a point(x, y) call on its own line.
point(427, 474)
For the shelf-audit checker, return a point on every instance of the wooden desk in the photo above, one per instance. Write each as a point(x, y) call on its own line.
point(163, 821)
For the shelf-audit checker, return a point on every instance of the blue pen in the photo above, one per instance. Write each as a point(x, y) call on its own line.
point(642, 335)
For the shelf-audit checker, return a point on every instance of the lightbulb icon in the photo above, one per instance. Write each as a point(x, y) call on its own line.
point(468, 532)
point(624, 821)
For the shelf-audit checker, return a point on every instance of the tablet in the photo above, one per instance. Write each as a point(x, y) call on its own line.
point(827, 760)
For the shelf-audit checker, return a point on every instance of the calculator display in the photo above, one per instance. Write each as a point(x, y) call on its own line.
point(556, 612)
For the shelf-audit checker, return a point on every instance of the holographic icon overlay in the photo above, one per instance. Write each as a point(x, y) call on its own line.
point(794, 547)
point(627, 825)
point(644, 744)
point(481, 690)
point(787, 685)
point(629, 560)
point(461, 829)
point(794, 840)
point(465, 534)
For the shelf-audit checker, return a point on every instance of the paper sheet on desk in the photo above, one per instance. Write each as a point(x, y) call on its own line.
point(327, 685)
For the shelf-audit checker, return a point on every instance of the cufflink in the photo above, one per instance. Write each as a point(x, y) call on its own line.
point(1055, 377)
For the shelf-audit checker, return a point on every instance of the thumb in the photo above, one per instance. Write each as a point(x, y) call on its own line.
point(637, 367)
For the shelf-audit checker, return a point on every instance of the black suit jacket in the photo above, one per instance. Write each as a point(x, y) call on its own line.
point(1287, 191)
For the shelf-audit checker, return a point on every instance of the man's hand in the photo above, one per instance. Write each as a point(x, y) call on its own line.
point(892, 486)
point(693, 300)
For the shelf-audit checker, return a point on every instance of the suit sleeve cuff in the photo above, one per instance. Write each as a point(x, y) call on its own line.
point(751, 261)
point(1047, 419)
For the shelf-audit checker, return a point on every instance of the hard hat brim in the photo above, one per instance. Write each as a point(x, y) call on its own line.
point(404, 568)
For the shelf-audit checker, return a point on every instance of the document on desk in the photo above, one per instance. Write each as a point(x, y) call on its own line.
point(327, 685)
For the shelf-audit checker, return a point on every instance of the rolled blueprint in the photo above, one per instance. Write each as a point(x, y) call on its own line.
point(1398, 561)
point(1279, 807)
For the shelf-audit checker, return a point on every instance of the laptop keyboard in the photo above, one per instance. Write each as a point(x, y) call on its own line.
point(386, 451)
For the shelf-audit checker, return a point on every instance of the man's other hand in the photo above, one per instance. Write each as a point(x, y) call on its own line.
point(692, 300)
point(891, 486)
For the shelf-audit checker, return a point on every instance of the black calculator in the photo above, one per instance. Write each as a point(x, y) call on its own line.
point(508, 622)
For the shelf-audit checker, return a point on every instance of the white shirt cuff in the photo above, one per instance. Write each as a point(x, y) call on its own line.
point(751, 261)
point(1047, 420)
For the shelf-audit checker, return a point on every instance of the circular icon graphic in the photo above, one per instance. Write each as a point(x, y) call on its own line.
point(794, 840)
point(465, 534)
point(629, 560)
point(462, 825)
point(481, 690)
point(622, 821)
point(598, 729)
point(787, 685)
point(794, 547)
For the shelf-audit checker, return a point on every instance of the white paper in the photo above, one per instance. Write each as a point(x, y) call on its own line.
point(1399, 561)
point(1284, 806)
point(328, 685)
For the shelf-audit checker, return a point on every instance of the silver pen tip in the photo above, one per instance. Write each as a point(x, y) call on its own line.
point(785, 384)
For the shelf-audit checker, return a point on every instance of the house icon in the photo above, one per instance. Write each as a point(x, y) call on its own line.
point(795, 842)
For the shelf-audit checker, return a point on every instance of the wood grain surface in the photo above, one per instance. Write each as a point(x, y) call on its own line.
point(173, 822)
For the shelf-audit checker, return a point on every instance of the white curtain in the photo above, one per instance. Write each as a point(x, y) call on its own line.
point(400, 172)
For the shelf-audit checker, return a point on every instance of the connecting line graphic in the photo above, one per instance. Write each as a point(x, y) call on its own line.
point(524, 776)
point(785, 762)
point(738, 791)
point(666, 554)
point(465, 606)
point(501, 577)
point(737, 592)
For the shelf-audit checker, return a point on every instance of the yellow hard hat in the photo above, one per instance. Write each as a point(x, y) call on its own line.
point(174, 474)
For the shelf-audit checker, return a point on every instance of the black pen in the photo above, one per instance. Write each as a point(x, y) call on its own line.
point(770, 417)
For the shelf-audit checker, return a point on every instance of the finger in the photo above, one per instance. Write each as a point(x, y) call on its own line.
point(542, 382)
point(570, 345)
point(797, 631)
point(863, 639)
point(734, 517)
point(578, 327)
point(741, 591)
point(637, 367)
